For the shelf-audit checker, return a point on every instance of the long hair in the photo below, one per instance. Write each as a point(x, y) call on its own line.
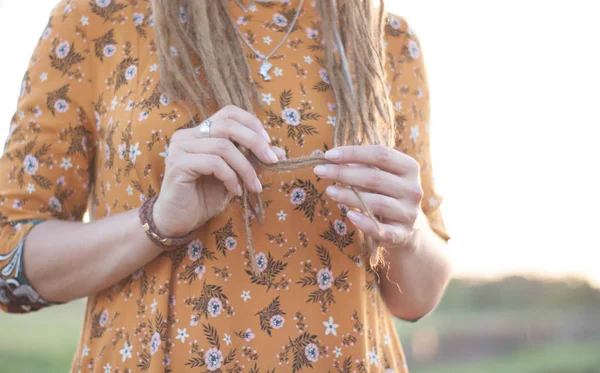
point(203, 34)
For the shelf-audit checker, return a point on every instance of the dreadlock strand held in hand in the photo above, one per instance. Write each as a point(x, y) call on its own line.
point(204, 35)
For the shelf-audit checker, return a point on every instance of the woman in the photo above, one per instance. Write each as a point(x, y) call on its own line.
point(159, 119)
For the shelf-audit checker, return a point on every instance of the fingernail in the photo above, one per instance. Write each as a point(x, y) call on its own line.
point(333, 154)
point(258, 185)
point(272, 156)
point(352, 215)
point(239, 190)
point(320, 170)
point(332, 191)
point(266, 135)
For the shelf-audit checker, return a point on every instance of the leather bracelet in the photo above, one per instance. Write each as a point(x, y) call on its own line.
point(165, 243)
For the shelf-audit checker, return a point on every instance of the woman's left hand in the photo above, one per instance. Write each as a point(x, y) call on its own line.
point(390, 186)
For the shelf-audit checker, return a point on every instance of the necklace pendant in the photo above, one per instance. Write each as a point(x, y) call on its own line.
point(264, 70)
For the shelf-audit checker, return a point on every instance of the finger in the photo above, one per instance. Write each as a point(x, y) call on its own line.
point(380, 156)
point(242, 135)
point(243, 117)
point(390, 234)
point(388, 208)
point(192, 166)
point(279, 152)
point(372, 179)
point(230, 154)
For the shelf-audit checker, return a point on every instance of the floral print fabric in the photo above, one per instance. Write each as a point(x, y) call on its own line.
point(92, 132)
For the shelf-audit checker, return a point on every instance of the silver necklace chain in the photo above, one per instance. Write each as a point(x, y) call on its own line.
point(266, 65)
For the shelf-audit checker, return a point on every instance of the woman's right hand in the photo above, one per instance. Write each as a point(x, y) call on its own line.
point(201, 170)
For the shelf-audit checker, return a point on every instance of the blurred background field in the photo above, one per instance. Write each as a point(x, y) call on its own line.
point(515, 325)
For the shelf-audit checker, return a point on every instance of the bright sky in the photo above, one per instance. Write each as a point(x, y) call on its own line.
point(515, 124)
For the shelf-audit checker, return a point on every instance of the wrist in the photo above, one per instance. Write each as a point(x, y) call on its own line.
point(165, 238)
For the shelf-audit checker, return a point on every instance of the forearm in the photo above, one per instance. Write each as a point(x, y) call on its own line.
point(64, 261)
point(417, 277)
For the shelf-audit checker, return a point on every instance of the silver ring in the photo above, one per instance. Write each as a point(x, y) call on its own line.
point(205, 128)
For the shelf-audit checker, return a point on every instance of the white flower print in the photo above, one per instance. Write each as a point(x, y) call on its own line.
point(267, 40)
point(138, 18)
point(182, 334)
point(308, 59)
point(325, 279)
point(386, 339)
point(337, 351)
point(130, 72)
point(373, 357)
point(195, 250)
point(332, 107)
point(66, 163)
point(165, 153)
point(134, 151)
point(55, 204)
point(312, 352)
point(398, 105)
point(30, 188)
point(278, 71)
point(107, 368)
point(61, 105)
point(213, 359)
point(126, 350)
point(43, 77)
point(331, 120)
point(413, 49)
point(129, 190)
point(17, 205)
point(200, 270)
point(103, 318)
point(153, 306)
point(312, 33)
point(31, 164)
point(103, 3)
point(248, 335)
point(214, 307)
point(281, 215)
point(242, 21)
point(230, 243)
point(277, 322)
point(122, 149)
point(84, 20)
point(246, 295)
point(324, 75)
point(280, 20)
point(113, 103)
point(164, 99)
point(60, 182)
point(298, 196)
point(414, 133)
point(143, 116)
point(47, 33)
point(227, 339)
point(291, 116)
point(395, 23)
point(155, 343)
point(154, 67)
point(267, 98)
point(340, 227)
point(330, 326)
point(261, 261)
point(129, 106)
point(109, 50)
point(86, 351)
point(63, 50)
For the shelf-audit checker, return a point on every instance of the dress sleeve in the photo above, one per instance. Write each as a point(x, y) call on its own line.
point(45, 166)
point(409, 91)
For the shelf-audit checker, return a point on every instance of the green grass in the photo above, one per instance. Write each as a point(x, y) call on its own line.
point(558, 358)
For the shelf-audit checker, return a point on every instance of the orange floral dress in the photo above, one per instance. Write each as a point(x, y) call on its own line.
point(91, 133)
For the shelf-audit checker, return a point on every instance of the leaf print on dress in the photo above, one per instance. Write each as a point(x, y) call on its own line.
point(153, 340)
point(293, 118)
point(197, 253)
point(107, 10)
point(64, 57)
point(225, 238)
point(105, 45)
point(304, 350)
point(324, 279)
point(305, 196)
point(212, 359)
point(211, 302)
point(269, 270)
point(271, 317)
